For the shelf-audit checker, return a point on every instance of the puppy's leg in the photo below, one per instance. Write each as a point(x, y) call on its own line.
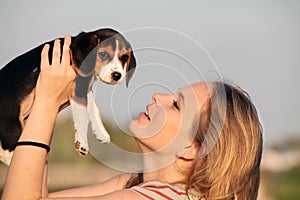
point(81, 121)
point(79, 109)
point(94, 115)
point(6, 156)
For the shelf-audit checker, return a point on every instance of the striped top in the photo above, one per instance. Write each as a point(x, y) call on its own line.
point(153, 190)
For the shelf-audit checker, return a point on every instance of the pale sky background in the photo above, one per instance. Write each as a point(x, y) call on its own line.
point(255, 44)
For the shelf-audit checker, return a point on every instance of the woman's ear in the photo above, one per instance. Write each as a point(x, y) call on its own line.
point(191, 152)
point(202, 151)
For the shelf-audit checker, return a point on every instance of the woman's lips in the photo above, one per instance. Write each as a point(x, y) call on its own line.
point(144, 115)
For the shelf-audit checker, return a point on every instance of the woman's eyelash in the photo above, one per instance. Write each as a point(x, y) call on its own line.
point(175, 103)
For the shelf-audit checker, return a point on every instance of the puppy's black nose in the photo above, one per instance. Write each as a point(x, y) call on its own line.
point(116, 76)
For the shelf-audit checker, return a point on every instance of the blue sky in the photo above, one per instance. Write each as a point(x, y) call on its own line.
point(255, 44)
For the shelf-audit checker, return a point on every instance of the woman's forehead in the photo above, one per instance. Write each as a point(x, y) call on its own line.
point(196, 88)
point(195, 91)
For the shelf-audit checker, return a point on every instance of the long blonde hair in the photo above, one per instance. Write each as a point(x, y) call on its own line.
point(231, 169)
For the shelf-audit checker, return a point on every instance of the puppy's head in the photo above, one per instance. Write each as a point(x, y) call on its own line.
point(105, 53)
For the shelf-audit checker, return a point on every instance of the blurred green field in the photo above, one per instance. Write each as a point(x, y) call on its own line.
point(283, 186)
point(289, 185)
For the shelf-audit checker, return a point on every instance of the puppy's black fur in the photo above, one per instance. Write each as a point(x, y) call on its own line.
point(18, 78)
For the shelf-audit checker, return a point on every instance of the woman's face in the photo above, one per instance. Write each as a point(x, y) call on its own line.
point(171, 121)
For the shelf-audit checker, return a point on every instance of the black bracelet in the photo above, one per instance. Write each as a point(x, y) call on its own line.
point(36, 144)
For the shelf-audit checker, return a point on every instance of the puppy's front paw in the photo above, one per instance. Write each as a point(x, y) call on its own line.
point(105, 139)
point(101, 135)
point(82, 150)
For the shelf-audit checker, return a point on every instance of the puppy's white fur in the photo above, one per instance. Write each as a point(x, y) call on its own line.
point(5, 156)
point(81, 122)
point(94, 115)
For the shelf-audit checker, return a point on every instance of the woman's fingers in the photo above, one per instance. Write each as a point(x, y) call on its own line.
point(56, 81)
point(44, 57)
point(66, 60)
point(56, 53)
point(57, 58)
point(66, 51)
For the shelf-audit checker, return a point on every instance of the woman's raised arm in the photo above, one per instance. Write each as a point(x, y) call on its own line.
point(54, 86)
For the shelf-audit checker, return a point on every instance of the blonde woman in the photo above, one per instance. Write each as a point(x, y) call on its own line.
point(204, 142)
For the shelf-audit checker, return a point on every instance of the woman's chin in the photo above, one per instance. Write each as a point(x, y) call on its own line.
point(137, 128)
point(145, 129)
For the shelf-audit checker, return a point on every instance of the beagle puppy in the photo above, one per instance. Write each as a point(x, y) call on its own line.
point(103, 54)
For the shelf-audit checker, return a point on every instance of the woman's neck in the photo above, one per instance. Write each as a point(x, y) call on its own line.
point(159, 168)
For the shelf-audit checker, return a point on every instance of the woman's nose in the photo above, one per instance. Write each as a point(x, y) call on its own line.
point(161, 98)
point(155, 98)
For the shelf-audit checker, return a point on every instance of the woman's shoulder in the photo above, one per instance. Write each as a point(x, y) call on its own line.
point(159, 190)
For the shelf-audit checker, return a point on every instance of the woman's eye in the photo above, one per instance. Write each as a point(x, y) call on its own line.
point(104, 56)
point(175, 103)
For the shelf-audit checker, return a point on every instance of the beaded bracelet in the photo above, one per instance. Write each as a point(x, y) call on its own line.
point(36, 144)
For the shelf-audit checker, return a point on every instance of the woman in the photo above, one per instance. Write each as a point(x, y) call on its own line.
point(203, 142)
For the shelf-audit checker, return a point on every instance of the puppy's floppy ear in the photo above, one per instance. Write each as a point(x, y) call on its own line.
point(130, 67)
point(84, 52)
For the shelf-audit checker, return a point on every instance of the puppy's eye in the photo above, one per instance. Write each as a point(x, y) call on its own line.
point(124, 58)
point(104, 56)
point(175, 104)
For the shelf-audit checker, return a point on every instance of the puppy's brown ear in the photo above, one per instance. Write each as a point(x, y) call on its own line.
point(83, 51)
point(130, 67)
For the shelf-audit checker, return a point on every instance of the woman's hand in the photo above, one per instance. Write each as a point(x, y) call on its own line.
point(56, 81)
